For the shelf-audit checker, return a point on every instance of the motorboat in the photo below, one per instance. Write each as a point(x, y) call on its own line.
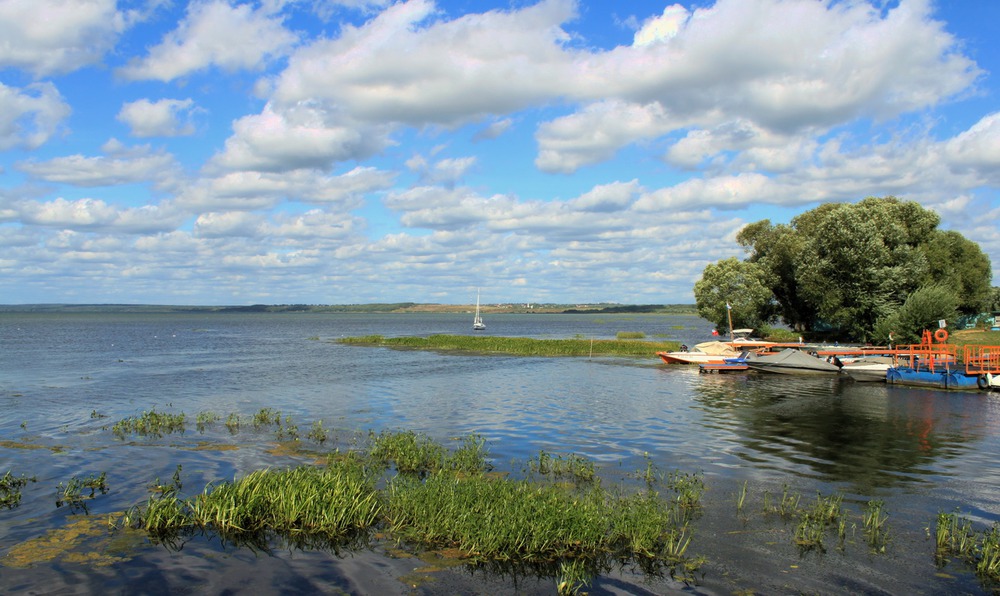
point(703, 353)
point(792, 362)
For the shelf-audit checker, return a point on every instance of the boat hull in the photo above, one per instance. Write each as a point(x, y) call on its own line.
point(950, 380)
point(789, 370)
point(866, 374)
point(690, 358)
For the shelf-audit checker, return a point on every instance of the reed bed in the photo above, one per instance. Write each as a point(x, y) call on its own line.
point(519, 346)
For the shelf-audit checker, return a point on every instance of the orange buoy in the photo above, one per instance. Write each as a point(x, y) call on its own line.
point(941, 335)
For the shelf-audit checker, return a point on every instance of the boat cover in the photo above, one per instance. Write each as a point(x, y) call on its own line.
point(716, 348)
point(790, 360)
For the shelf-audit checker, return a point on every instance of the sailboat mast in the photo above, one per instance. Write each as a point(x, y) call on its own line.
point(729, 313)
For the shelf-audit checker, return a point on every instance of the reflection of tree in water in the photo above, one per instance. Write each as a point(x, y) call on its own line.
point(869, 435)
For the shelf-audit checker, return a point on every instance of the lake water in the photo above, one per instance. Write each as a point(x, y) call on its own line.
point(65, 378)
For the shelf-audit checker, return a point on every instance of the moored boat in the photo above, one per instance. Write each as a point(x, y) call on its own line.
point(792, 362)
point(868, 369)
point(703, 353)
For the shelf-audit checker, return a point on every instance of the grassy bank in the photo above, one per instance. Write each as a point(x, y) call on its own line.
point(519, 346)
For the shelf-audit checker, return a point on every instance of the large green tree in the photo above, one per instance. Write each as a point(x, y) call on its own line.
point(958, 263)
point(843, 267)
point(739, 285)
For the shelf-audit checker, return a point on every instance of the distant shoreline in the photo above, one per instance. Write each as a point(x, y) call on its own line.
point(402, 308)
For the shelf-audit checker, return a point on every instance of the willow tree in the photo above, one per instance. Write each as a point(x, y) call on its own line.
point(843, 267)
point(737, 289)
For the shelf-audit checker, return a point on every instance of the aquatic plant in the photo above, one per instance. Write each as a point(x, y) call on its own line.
point(519, 521)
point(988, 565)
point(786, 507)
point(813, 522)
point(630, 335)
point(688, 488)
point(290, 431)
point(266, 417)
point(408, 451)
point(74, 493)
point(302, 505)
point(233, 422)
point(206, 419)
point(10, 489)
point(875, 518)
point(151, 423)
point(954, 535)
point(741, 497)
point(557, 465)
point(317, 433)
point(650, 474)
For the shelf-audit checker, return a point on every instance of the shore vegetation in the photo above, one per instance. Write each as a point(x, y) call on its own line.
point(519, 346)
point(557, 516)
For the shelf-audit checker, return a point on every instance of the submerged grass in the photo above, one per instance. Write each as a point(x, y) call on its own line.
point(519, 346)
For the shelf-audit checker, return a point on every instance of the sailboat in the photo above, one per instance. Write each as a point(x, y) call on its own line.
point(477, 323)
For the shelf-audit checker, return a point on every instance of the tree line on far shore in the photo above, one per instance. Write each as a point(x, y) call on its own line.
point(854, 271)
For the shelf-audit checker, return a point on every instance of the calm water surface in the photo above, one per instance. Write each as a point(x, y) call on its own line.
point(64, 378)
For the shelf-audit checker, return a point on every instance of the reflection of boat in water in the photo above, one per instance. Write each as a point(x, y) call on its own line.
point(792, 362)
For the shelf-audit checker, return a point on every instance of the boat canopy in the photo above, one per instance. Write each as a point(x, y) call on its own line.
point(716, 348)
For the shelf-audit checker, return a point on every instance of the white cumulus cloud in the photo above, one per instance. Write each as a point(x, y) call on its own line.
point(214, 33)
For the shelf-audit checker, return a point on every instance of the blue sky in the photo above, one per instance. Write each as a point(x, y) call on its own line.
point(353, 151)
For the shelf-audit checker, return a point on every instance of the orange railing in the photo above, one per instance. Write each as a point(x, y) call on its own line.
point(981, 359)
point(931, 356)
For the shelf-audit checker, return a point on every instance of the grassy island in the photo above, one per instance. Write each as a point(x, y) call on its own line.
point(519, 346)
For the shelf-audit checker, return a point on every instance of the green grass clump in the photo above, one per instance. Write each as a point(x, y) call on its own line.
point(875, 518)
point(10, 489)
point(77, 491)
point(519, 346)
point(557, 465)
point(955, 536)
point(266, 417)
point(205, 419)
point(412, 453)
point(494, 519)
point(303, 505)
point(151, 423)
point(630, 335)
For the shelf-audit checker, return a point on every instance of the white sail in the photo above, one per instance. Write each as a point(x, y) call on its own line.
point(477, 323)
